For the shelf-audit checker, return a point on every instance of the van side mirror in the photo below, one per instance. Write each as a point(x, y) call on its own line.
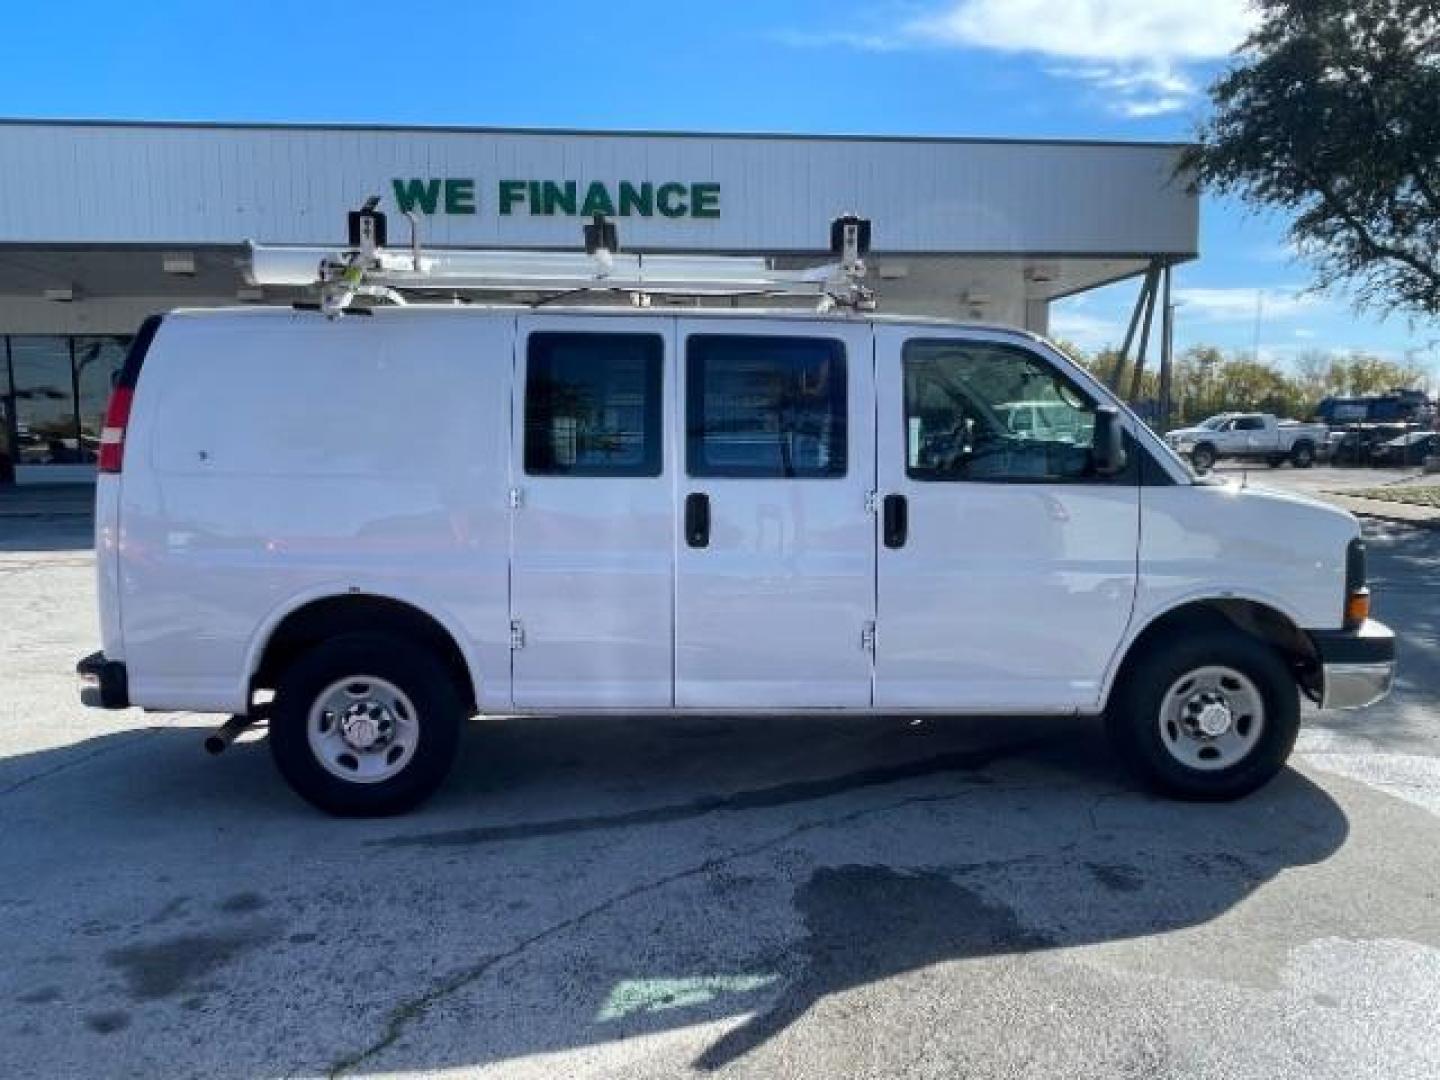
point(1109, 452)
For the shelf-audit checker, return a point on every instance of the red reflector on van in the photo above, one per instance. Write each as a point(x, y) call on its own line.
point(112, 436)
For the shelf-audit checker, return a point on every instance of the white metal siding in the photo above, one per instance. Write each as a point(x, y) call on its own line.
point(89, 184)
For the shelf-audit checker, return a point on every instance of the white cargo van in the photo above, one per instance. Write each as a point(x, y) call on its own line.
point(395, 521)
point(363, 530)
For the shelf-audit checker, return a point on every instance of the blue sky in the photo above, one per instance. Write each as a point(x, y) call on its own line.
point(1128, 69)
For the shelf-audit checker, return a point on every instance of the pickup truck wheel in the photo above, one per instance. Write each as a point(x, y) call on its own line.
point(365, 724)
point(1302, 455)
point(1202, 458)
point(1212, 716)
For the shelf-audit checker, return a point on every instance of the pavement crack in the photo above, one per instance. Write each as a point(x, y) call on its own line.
point(407, 1012)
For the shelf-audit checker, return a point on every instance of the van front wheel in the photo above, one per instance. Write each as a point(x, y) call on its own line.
point(1210, 717)
point(365, 724)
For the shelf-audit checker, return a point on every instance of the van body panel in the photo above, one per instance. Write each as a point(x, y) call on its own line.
point(1010, 595)
point(773, 610)
point(1281, 550)
point(274, 457)
point(270, 458)
point(591, 556)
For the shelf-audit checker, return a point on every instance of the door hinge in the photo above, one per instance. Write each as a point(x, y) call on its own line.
point(872, 502)
point(517, 634)
point(517, 498)
point(867, 637)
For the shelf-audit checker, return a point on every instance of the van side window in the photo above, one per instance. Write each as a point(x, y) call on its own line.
point(762, 407)
point(992, 412)
point(593, 404)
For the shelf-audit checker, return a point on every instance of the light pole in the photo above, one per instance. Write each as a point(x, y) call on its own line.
point(1167, 354)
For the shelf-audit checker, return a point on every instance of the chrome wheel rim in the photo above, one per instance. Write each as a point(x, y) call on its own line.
point(363, 729)
point(1211, 718)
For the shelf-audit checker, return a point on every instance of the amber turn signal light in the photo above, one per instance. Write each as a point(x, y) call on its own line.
point(1357, 607)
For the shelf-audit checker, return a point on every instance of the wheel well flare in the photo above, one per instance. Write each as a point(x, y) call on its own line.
point(312, 623)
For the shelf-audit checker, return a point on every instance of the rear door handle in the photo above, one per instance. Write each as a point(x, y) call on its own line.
point(697, 519)
point(897, 521)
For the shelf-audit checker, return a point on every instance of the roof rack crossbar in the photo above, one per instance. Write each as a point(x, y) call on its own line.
point(367, 271)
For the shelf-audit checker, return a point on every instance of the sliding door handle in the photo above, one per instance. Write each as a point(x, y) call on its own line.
point(697, 519)
point(897, 520)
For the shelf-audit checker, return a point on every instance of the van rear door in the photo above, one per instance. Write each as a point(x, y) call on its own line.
point(775, 557)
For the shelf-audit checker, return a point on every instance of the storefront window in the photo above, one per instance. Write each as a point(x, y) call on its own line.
point(44, 394)
point(97, 364)
point(55, 409)
point(7, 413)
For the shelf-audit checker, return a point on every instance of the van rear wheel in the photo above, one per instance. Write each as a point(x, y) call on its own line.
point(1212, 716)
point(365, 725)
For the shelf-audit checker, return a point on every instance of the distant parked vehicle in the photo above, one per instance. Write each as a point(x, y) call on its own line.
point(1357, 445)
point(1411, 448)
point(1050, 420)
point(1258, 436)
point(1403, 406)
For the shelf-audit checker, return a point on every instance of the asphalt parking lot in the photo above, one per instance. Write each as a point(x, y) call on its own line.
point(656, 898)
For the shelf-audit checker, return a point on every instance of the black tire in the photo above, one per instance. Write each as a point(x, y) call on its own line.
point(1202, 458)
point(409, 667)
point(1302, 454)
point(1134, 722)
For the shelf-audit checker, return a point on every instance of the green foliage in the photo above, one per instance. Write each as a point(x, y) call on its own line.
point(1206, 380)
point(1332, 114)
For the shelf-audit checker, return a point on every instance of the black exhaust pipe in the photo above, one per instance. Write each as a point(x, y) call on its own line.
point(226, 733)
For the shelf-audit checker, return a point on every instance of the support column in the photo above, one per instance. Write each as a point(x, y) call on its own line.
point(1167, 347)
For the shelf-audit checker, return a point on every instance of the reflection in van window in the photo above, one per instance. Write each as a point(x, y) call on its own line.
point(765, 407)
point(978, 410)
point(593, 405)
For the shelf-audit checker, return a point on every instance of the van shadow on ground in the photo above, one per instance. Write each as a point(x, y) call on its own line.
point(1030, 846)
point(582, 881)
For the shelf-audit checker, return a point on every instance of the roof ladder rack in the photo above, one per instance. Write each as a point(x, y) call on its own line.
point(367, 272)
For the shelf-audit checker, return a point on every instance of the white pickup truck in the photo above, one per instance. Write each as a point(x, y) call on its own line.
point(1248, 435)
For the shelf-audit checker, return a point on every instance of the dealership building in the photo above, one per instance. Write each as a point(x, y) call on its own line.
point(104, 223)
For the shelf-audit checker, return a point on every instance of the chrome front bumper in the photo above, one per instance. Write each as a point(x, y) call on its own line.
point(1357, 667)
point(1353, 686)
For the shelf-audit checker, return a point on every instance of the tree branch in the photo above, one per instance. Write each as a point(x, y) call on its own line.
point(1367, 239)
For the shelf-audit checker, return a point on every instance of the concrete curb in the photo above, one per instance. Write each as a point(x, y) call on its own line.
point(1417, 517)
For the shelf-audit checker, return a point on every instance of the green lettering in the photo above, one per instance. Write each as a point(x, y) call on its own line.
point(641, 202)
point(705, 200)
point(560, 198)
point(459, 195)
point(409, 193)
point(537, 202)
point(665, 200)
point(597, 201)
point(511, 192)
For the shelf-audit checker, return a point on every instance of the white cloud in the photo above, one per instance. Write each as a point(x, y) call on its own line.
point(1107, 31)
point(1134, 50)
point(1088, 331)
point(1303, 334)
point(1242, 304)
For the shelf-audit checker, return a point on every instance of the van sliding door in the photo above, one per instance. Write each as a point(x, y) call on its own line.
point(775, 552)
